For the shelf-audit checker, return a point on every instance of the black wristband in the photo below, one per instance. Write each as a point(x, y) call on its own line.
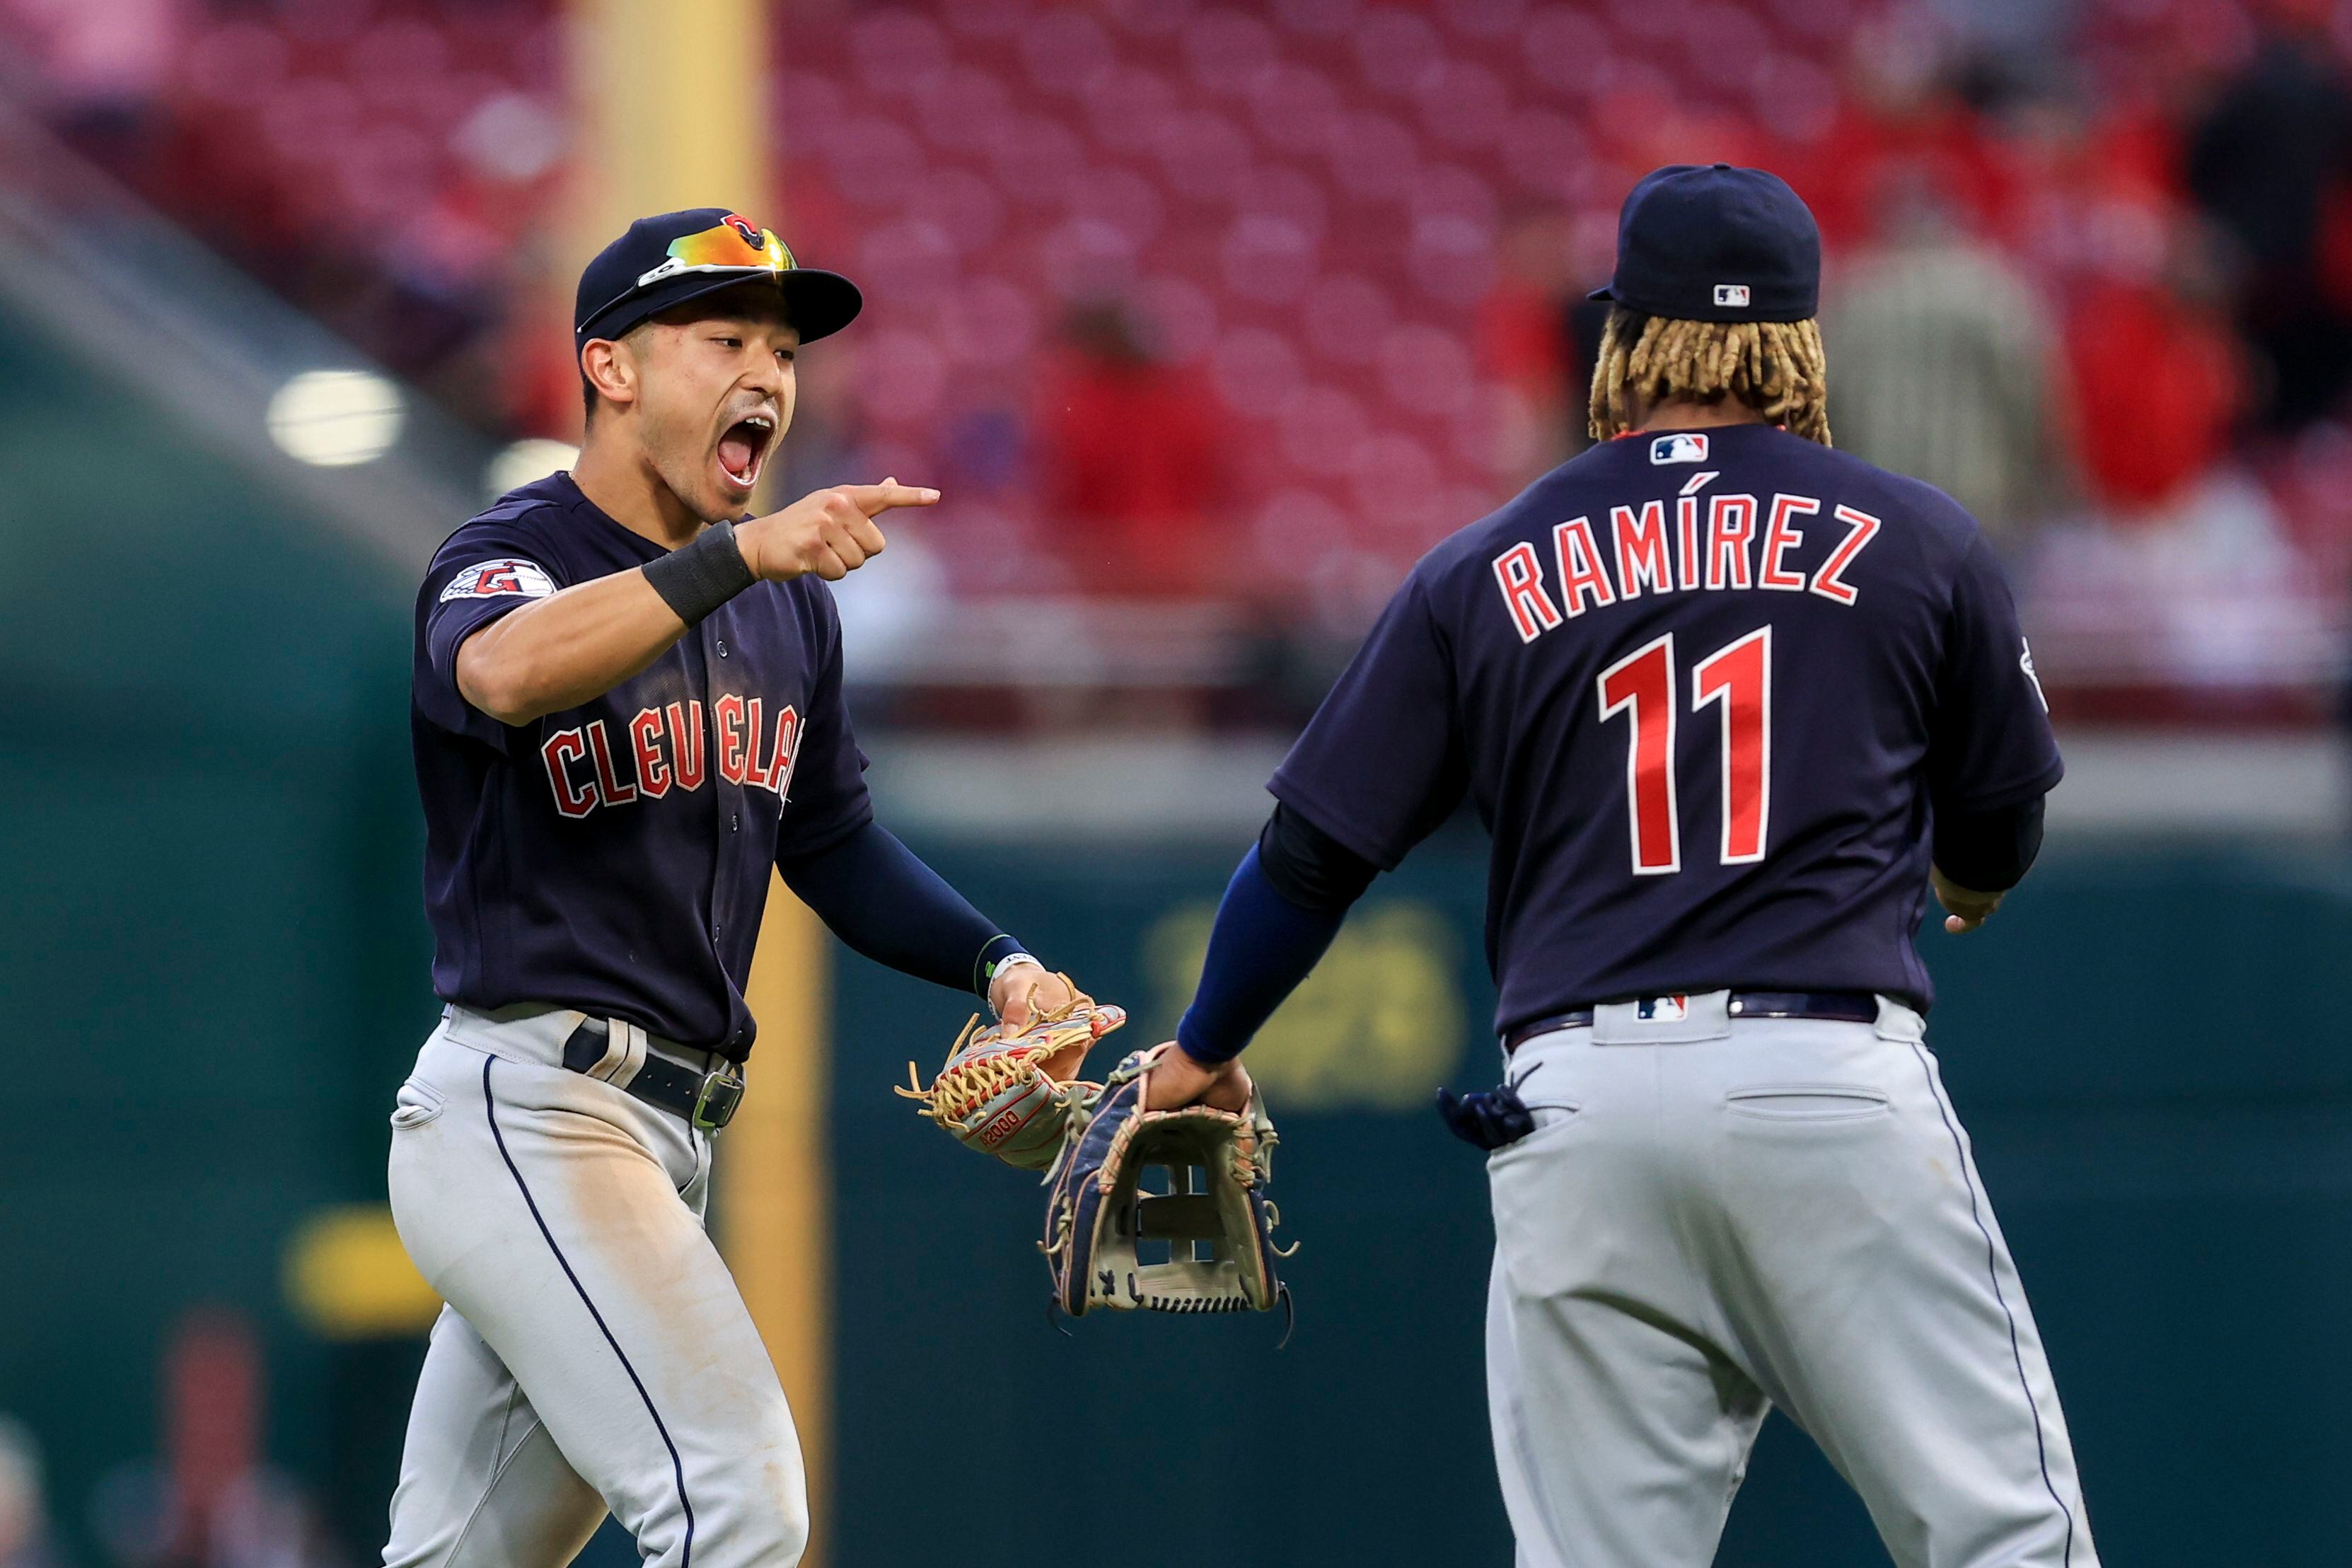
point(696, 578)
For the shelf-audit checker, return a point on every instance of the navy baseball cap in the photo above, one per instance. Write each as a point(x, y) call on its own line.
point(672, 257)
point(1716, 244)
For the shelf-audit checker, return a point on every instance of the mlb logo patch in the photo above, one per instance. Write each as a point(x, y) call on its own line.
point(1686, 448)
point(1663, 1010)
point(493, 578)
point(1733, 295)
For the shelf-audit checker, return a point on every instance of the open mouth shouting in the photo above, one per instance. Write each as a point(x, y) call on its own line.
point(743, 448)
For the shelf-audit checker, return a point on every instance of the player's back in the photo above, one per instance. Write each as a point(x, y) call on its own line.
point(1701, 686)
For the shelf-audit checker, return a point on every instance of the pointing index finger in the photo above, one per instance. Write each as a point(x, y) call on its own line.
point(874, 499)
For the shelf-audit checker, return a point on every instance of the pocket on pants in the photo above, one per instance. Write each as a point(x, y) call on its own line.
point(1808, 1101)
point(1551, 1118)
point(416, 1104)
point(1551, 1205)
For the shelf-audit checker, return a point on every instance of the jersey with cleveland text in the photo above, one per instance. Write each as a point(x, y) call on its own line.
point(1705, 689)
point(614, 857)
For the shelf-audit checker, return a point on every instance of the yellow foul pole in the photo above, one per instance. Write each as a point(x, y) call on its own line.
point(673, 112)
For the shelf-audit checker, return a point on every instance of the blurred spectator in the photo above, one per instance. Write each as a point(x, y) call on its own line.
point(1526, 344)
point(213, 1503)
point(23, 1512)
point(212, 1423)
point(1900, 114)
point(2159, 381)
point(458, 271)
point(538, 381)
point(825, 442)
point(2183, 574)
point(884, 614)
point(1944, 365)
point(1134, 467)
point(2267, 161)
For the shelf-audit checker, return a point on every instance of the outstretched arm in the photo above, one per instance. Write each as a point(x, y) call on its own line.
point(1281, 910)
point(558, 652)
point(1380, 786)
point(887, 905)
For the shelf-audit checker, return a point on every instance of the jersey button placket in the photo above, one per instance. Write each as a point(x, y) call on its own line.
point(721, 857)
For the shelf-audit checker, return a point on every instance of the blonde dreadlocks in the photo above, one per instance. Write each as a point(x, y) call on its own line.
point(1774, 367)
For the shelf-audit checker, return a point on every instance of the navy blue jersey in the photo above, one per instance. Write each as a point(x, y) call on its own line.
point(1705, 690)
point(614, 857)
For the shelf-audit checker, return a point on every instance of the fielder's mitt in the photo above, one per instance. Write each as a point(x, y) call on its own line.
point(1203, 1246)
point(1012, 1095)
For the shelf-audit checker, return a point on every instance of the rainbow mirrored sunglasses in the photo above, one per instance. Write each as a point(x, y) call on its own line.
point(733, 245)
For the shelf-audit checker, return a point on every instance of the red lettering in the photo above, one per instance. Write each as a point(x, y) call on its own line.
point(686, 743)
point(1006, 1123)
point(608, 782)
point(1829, 583)
point(765, 778)
point(653, 773)
point(1580, 572)
point(1521, 577)
point(1730, 530)
point(562, 746)
point(1780, 536)
point(1687, 527)
point(728, 714)
point(1643, 555)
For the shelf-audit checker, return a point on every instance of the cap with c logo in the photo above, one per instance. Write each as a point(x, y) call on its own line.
point(1712, 243)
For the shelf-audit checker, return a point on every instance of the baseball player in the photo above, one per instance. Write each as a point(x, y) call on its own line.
point(1729, 703)
point(626, 708)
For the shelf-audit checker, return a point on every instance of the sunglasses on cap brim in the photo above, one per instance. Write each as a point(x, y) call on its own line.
point(723, 249)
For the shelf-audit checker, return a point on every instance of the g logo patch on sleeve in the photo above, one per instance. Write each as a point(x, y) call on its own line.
point(490, 578)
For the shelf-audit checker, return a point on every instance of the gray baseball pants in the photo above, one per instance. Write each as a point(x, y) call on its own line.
point(595, 1353)
point(1716, 1215)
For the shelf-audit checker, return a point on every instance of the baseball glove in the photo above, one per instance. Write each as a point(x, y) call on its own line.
point(1011, 1093)
point(1214, 1235)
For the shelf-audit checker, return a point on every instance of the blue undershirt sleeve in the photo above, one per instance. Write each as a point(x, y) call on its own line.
point(1261, 946)
point(887, 906)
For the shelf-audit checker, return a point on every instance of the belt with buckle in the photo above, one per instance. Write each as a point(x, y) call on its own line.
point(707, 1100)
point(1830, 1007)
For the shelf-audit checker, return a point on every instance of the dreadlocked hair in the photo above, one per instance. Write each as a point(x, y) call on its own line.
point(1776, 368)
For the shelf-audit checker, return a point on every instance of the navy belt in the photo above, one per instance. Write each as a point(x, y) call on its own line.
point(1833, 1006)
point(707, 1100)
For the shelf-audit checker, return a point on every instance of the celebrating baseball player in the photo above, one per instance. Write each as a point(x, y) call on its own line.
point(626, 708)
point(1729, 704)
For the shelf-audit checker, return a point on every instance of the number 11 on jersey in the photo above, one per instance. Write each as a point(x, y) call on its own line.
point(1641, 685)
